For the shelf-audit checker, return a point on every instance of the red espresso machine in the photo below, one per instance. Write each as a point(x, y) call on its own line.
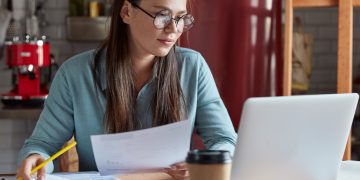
point(27, 58)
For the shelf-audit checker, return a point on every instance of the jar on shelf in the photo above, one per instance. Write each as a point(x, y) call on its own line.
point(95, 9)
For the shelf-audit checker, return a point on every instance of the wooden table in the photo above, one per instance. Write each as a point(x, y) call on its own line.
point(349, 170)
point(147, 176)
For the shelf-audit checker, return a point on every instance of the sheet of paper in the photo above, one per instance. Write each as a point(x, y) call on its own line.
point(349, 170)
point(54, 177)
point(79, 176)
point(142, 150)
point(47, 177)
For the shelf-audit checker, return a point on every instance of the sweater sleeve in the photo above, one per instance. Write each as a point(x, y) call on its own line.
point(212, 122)
point(55, 125)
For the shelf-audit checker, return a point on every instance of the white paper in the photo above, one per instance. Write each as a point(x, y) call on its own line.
point(142, 150)
point(53, 177)
point(78, 176)
point(349, 170)
point(47, 177)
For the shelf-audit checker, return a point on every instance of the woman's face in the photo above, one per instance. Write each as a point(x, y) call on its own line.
point(145, 38)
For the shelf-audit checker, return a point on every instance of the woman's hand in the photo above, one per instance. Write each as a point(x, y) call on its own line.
point(30, 163)
point(178, 171)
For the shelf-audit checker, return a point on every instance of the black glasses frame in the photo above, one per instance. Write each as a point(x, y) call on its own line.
point(174, 19)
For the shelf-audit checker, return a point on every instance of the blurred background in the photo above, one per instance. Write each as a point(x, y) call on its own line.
point(240, 40)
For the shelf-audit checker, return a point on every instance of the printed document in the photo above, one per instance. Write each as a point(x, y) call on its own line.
point(142, 150)
point(69, 176)
point(349, 170)
point(79, 176)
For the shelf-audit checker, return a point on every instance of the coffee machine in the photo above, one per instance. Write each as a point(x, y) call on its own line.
point(27, 58)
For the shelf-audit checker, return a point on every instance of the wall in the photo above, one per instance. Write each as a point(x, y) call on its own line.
point(12, 136)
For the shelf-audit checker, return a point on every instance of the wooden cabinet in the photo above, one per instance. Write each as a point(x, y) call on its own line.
point(345, 45)
point(68, 161)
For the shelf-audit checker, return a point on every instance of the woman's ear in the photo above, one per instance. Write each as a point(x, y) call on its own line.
point(125, 12)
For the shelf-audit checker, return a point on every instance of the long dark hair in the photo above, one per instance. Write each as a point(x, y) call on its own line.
point(168, 100)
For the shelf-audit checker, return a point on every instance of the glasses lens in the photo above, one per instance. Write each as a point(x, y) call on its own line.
point(162, 19)
point(180, 25)
point(188, 21)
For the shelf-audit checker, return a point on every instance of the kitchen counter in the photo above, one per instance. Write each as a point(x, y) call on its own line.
point(19, 113)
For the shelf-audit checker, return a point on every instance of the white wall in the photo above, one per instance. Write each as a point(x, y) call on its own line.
point(12, 136)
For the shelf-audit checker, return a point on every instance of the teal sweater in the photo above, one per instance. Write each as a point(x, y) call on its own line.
point(75, 107)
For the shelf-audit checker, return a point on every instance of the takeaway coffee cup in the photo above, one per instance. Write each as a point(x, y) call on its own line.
point(209, 164)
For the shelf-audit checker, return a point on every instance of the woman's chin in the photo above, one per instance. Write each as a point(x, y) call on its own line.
point(162, 52)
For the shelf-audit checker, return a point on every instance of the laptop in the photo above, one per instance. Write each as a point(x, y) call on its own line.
point(293, 137)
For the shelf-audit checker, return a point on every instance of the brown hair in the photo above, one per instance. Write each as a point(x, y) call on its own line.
point(168, 99)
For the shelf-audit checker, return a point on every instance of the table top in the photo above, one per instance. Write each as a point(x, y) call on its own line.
point(349, 170)
point(147, 176)
point(140, 176)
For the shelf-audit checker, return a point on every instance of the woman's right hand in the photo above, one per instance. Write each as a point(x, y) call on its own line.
point(30, 163)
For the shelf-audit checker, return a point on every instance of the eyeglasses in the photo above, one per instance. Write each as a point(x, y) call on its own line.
point(163, 18)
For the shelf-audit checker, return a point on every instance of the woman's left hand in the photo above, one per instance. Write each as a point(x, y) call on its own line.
point(178, 171)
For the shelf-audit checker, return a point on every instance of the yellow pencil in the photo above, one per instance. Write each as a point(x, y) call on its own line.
point(51, 158)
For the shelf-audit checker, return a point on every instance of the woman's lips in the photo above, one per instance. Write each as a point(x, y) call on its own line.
point(167, 42)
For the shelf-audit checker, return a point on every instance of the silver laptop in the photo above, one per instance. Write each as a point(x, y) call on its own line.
point(293, 137)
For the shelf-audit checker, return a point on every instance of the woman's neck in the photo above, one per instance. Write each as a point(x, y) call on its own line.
point(142, 67)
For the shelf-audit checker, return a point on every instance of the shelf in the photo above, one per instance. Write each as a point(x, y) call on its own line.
point(86, 28)
point(17, 113)
point(345, 46)
point(320, 3)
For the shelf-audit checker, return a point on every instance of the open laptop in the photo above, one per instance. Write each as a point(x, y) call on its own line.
point(293, 137)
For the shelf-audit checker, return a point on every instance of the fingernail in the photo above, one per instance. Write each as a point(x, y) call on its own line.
point(41, 178)
point(33, 177)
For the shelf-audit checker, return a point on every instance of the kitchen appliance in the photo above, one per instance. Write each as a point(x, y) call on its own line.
point(28, 58)
point(32, 23)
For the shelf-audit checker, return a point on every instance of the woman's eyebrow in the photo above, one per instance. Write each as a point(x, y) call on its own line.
point(163, 7)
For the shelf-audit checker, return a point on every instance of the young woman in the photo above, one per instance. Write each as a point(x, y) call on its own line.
point(137, 79)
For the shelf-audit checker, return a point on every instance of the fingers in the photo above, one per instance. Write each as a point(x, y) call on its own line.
point(178, 174)
point(41, 173)
point(178, 171)
point(181, 165)
point(26, 169)
point(28, 164)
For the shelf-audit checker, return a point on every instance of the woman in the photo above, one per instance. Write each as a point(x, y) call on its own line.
point(137, 79)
